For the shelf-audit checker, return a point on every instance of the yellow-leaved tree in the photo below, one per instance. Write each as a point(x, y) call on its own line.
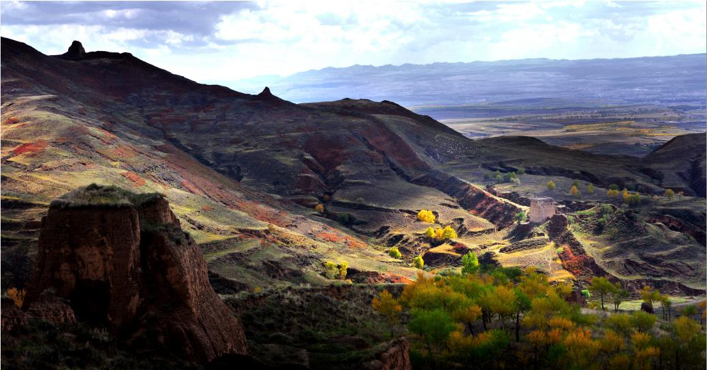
point(426, 215)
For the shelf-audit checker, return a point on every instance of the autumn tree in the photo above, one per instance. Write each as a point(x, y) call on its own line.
point(418, 262)
point(395, 253)
point(331, 270)
point(574, 191)
point(319, 208)
point(17, 296)
point(590, 189)
point(551, 185)
point(669, 193)
point(426, 216)
point(387, 306)
point(343, 270)
point(643, 321)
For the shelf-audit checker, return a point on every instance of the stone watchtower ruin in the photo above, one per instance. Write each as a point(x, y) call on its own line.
point(541, 209)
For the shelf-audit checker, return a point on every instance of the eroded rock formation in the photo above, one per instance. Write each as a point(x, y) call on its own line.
point(123, 262)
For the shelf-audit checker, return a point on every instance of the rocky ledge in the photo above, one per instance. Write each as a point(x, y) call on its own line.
point(122, 262)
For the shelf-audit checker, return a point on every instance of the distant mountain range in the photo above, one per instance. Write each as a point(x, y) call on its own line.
point(671, 80)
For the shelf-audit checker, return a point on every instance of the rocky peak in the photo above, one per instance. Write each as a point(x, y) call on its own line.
point(76, 51)
point(122, 262)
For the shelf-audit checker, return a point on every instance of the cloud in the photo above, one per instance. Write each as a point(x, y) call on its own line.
point(218, 42)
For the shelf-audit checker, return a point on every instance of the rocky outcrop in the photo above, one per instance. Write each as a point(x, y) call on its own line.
point(47, 308)
point(123, 262)
point(75, 52)
point(396, 357)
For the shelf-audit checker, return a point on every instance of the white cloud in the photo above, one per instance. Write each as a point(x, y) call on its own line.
point(287, 37)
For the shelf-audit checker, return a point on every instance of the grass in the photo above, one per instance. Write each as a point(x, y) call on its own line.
point(98, 195)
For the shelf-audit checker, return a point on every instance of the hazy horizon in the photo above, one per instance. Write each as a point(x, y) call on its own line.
point(219, 42)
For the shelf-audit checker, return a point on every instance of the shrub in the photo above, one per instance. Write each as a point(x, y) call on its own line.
point(343, 269)
point(669, 193)
point(331, 270)
point(521, 217)
point(521, 171)
point(419, 262)
point(17, 296)
point(344, 219)
point(574, 191)
point(395, 253)
point(590, 189)
point(643, 321)
point(426, 216)
point(551, 185)
point(319, 208)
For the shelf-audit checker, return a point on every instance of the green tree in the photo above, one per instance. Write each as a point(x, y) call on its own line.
point(434, 327)
point(601, 287)
point(395, 253)
point(521, 217)
point(669, 193)
point(643, 321)
point(418, 262)
point(590, 189)
point(618, 296)
point(521, 305)
point(470, 264)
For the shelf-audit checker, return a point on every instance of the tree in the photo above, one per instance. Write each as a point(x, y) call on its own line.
point(448, 233)
point(551, 185)
point(685, 331)
point(612, 193)
point(418, 262)
point(433, 326)
point(669, 193)
point(319, 208)
point(690, 311)
point(467, 315)
point(602, 287)
point(624, 194)
point(649, 295)
point(331, 270)
point(521, 171)
point(522, 305)
point(643, 321)
point(470, 264)
point(430, 232)
point(574, 191)
point(343, 270)
point(590, 189)
point(387, 306)
point(426, 215)
point(395, 253)
point(521, 217)
point(618, 296)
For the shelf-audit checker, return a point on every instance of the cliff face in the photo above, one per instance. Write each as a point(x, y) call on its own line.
point(123, 262)
point(396, 357)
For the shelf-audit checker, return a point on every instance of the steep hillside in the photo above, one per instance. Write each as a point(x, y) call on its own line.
point(244, 173)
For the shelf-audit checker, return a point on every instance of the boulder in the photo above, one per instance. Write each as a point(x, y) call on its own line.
point(123, 262)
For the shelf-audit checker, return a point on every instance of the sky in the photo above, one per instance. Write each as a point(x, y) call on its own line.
point(221, 42)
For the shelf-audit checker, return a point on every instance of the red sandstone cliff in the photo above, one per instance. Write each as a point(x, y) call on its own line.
point(123, 262)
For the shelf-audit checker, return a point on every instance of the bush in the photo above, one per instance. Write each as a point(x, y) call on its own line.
point(643, 321)
point(419, 262)
point(343, 269)
point(331, 270)
point(17, 296)
point(426, 216)
point(551, 185)
point(344, 219)
point(395, 253)
point(319, 208)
